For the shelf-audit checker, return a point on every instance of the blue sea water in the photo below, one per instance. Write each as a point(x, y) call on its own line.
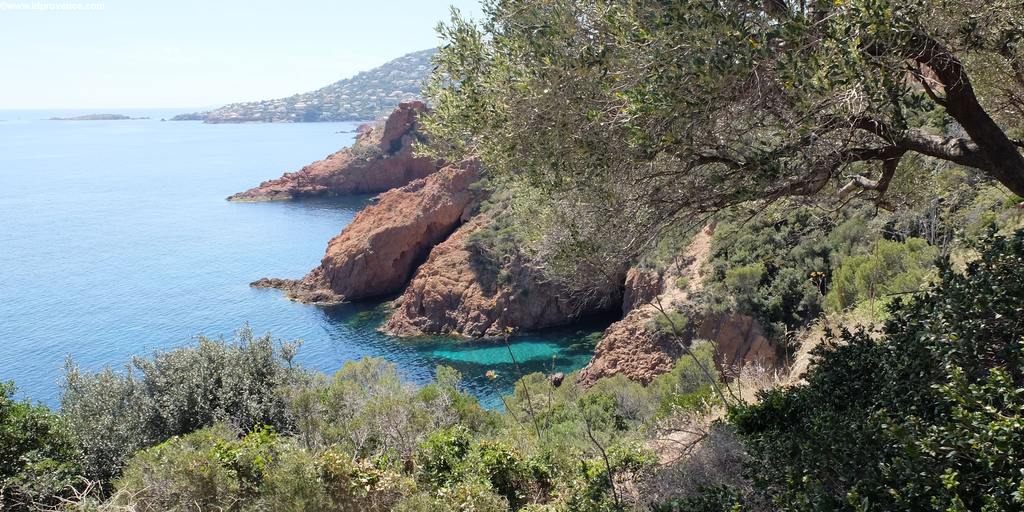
point(116, 240)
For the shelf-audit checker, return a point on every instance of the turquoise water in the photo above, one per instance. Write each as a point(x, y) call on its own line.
point(115, 240)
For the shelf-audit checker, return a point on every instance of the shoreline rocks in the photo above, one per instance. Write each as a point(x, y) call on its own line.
point(457, 291)
point(380, 159)
point(375, 255)
point(637, 348)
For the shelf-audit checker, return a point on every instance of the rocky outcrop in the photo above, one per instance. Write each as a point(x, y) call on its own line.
point(459, 292)
point(642, 286)
point(375, 254)
point(380, 159)
point(630, 347)
point(739, 341)
point(641, 350)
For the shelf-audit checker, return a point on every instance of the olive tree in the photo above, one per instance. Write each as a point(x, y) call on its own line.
point(627, 116)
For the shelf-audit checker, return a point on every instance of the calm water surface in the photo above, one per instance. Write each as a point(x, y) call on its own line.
point(115, 239)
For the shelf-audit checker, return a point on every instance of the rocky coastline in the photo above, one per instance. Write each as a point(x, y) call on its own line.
point(382, 158)
point(415, 242)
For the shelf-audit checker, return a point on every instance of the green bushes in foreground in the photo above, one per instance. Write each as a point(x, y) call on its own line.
point(929, 417)
point(180, 432)
point(115, 414)
point(39, 457)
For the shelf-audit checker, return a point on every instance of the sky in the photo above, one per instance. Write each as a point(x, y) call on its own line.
point(93, 54)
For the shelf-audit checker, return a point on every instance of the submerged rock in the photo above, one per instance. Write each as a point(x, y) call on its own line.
point(381, 159)
point(375, 254)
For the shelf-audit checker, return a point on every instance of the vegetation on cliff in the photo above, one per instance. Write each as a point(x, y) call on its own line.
point(632, 117)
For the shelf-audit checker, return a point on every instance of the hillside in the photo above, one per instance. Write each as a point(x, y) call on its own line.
point(365, 96)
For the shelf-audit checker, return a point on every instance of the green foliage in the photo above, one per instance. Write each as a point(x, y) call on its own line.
point(212, 469)
point(713, 499)
point(209, 468)
point(370, 411)
point(674, 323)
point(928, 417)
point(441, 453)
point(40, 459)
point(633, 118)
point(174, 393)
point(367, 150)
point(873, 279)
point(774, 266)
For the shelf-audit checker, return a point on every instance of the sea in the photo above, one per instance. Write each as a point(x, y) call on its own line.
point(116, 240)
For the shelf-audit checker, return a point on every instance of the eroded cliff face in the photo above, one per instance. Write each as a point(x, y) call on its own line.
point(458, 292)
point(375, 255)
point(381, 159)
point(638, 349)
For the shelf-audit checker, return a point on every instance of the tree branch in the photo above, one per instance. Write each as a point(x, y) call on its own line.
point(996, 153)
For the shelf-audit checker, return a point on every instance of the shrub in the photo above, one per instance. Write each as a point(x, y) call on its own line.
point(505, 470)
point(441, 454)
point(890, 269)
point(175, 393)
point(471, 497)
point(369, 411)
point(212, 469)
point(204, 469)
point(366, 150)
point(772, 266)
point(40, 460)
point(928, 417)
point(710, 499)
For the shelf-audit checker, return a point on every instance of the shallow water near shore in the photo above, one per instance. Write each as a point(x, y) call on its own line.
point(116, 240)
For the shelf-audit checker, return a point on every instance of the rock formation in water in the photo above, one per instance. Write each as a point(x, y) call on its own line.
point(459, 291)
point(640, 349)
point(381, 159)
point(375, 254)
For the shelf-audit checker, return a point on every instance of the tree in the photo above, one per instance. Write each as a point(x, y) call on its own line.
point(646, 112)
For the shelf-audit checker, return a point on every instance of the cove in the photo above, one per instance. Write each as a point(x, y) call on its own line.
point(116, 240)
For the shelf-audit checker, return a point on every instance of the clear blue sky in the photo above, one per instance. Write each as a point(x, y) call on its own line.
point(192, 53)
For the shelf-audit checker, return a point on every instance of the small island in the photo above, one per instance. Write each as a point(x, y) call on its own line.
point(99, 117)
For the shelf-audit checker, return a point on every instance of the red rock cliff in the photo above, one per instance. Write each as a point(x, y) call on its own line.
point(375, 254)
point(636, 348)
point(457, 292)
point(381, 159)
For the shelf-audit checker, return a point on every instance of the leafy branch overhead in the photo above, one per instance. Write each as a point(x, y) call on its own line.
point(693, 106)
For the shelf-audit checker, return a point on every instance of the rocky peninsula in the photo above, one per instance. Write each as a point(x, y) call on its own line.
point(382, 158)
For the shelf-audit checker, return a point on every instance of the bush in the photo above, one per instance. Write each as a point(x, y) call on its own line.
point(369, 411)
point(209, 469)
point(40, 460)
point(367, 150)
point(175, 393)
point(773, 267)
point(212, 469)
point(505, 470)
point(890, 269)
point(441, 454)
point(931, 416)
point(711, 499)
